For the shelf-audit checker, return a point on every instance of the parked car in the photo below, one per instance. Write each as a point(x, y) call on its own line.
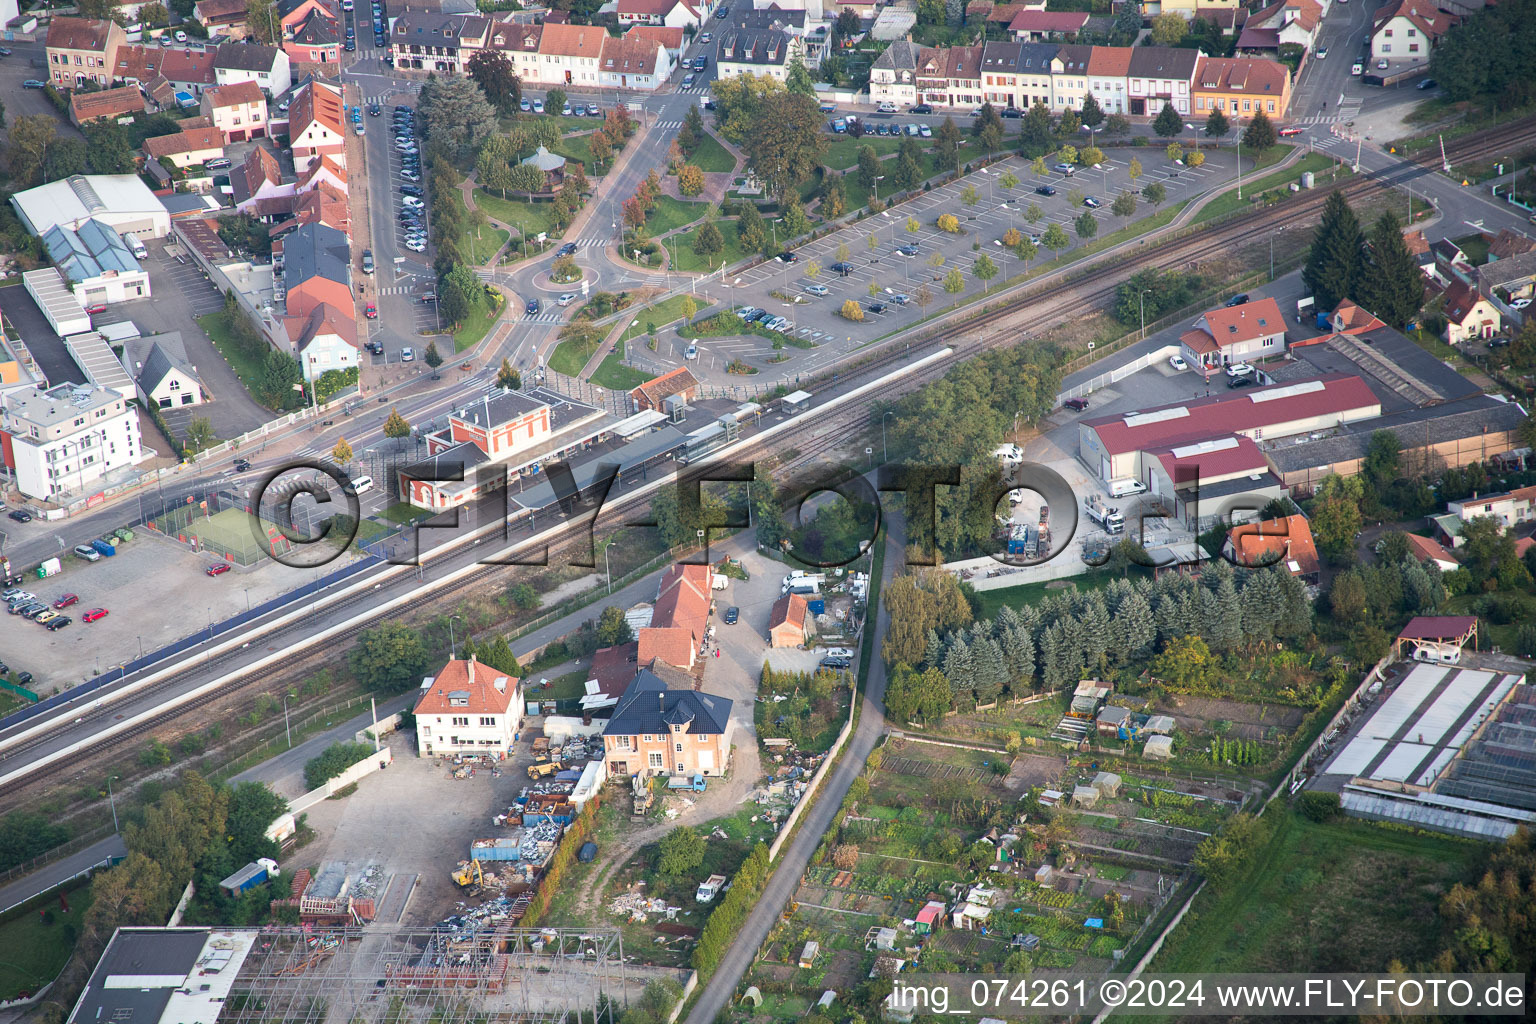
point(1240, 382)
point(58, 623)
point(1044, 190)
point(33, 83)
point(1289, 131)
point(842, 268)
point(1076, 404)
point(875, 307)
point(1428, 83)
point(787, 257)
point(371, 311)
point(909, 250)
point(926, 132)
point(593, 110)
point(900, 299)
point(20, 515)
point(818, 290)
point(217, 569)
point(1239, 370)
point(1237, 300)
point(920, 108)
point(65, 600)
point(1177, 362)
point(1064, 168)
point(407, 355)
point(1092, 203)
point(242, 465)
point(1382, 65)
point(367, 261)
point(731, 615)
point(87, 552)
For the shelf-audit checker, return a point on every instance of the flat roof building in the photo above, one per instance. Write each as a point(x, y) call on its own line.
point(121, 201)
point(164, 975)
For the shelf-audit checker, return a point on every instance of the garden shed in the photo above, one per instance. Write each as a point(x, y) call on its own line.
point(1043, 874)
point(1085, 796)
point(1158, 748)
point(1160, 725)
point(1113, 719)
point(930, 915)
point(1107, 783)
point(809, 953)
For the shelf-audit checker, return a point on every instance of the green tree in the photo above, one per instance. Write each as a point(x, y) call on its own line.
point(1336, 259)
point(1260, 134)
point(947, 139)
point(1009, 180)
point(984, 270)
point(275, 380)
point(1488, 553)
point(261, 20)
point(455, 115)
point(1392, 285)
point(497, 78)
point(1216, 125)
point(613, 628)
point(869, 166)
point(708, 242)
point(200, 434)
point(66, 157)
point(395, 427)
point(1155, 193)
point(1168, 29)
point(554, 101)
point(786, 142)
point(1124, 205)
point(389, 658)
point(1086, 225)
point(1167, 123)
point(1091, 114)
point(680, 852)
point(834, 197)
point(431, 356)
point(798, 80)
point(954, 281)
point(916, 696)
point(1035, 131)
point(107, 148)
point(1055, 239)
point(1335, 522)
point(750, 234)
point(508, 378)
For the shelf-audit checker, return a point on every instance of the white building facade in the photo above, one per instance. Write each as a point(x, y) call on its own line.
point(64, 440)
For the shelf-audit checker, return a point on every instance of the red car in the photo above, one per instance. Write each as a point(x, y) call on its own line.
point(94, 308)
point(66, 601)
point(217, 570)
point(94, 614)
point(371, 312)
point(1286, 133)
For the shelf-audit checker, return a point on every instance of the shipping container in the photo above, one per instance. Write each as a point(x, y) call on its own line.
point(495, 849)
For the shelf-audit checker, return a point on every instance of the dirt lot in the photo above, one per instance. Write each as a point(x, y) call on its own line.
point(146, 565)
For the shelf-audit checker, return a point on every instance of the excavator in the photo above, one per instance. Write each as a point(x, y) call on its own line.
point(469, 875)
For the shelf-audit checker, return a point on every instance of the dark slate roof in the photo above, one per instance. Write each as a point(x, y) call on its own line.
point(138, 952)
point(1167, 62)
point(1018, 58)
point(762, 47)
point(244, 57)
point(451, 464)
point(901, 55)
point(1414, 428)
point(648, 707)
point(494, 410)
point(157, 366)
point(316, 250)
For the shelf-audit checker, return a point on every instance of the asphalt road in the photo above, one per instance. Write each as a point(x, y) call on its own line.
point(62, 870)
point(794, 858)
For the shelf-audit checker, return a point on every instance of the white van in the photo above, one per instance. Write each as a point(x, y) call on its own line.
point(362, 485)
point(1125, 488)
point(135, 246)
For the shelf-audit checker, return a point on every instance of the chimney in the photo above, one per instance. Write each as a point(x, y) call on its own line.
point(661, 700)
point(471, 669)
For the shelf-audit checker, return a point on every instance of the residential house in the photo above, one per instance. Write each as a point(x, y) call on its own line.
point(1069, 77)
point(323, 338)
point(680, 618)
point(1350, 318)
point(1108, 69)
point(1046, 26)
point(963, 81)
point(468, 708)
point(1468, 315)
point(551, 165)
point(671, 40)
point(82, 50)
point(189, 71)
point(655, 730)
point(1508, 243)
point(634, 62)
point(1284, 542)
point(572, 55)
point(239, 110)
point(258, 177)
point(1418, 246)
point(123, 101)
point(1241, 87)
point(1235, 334)
point(1016, 74)
point(1408, 30)
point(1451, 263)
point(1294, 22)
point(893, 75)
point(327, 171)
point(164, 376)
point(312, 31)
point(321, 204)
point(62, 441)
point(756, 52)
point(671, 13)
point(267, 66)
point(223, 17)
point(186, 148)
point(520, 44)
point(1159, 75)
point(1513, 277)
point(1510, 508)
point(1426, 550)
point(316, 268)
point(654, 393)
point(315, 124)
point(790, 622)
point(430, 41)
point(612, 670)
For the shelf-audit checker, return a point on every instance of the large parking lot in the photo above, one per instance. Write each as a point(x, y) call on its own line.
point(912, 227)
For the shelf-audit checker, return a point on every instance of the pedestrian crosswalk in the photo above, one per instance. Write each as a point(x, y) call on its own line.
point(695, 90)
point(306, 453)
point(394, 289)
point(667, 126)
point(544, 318)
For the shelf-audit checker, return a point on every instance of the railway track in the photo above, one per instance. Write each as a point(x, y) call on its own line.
point(823, 435)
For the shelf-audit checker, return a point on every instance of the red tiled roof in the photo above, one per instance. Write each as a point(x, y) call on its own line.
point(1048, 21)
point(1437, 627)
point(655, 8)
point(658, 389)
point(671, 38)
point(965, 62)
point(233, 95)
point(87, 106)
point(316, 103)
point(1509, 243)
point(1248, 322)
point(328, 319)
point(1199, 342)
point(1425, 549)
point(1353, 319)
point(1204, 418)
point(477, 682)
point(1460, 300)
point(671, 645)
point(630, 55)
point(1250, 75)
point(573, 40)
point(1110, 61)
point(613, 668)
point(229, 12)
point(183, 142)
point(790, 609)
point(1428, 18)
point(188, 66)
point(78, 34)
point(1283, 541)
point(138, 63)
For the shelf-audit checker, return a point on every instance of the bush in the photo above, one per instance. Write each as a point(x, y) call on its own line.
point(1315, 806)
point(948, 223)
point(334, 760)
point(852, 311)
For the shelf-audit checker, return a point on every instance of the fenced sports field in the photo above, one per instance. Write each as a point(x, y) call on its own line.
point(230, 532)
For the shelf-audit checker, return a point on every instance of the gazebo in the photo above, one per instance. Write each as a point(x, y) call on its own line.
point(551, 164)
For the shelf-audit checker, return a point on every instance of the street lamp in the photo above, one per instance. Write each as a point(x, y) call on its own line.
point(1141, 306)
point(452, 646)
point(608, 568)
point(112, 801)
point(286, 731)
point(884, 451)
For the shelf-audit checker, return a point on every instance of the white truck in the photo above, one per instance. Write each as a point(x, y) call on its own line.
point(709, 888)
point(1106, 516)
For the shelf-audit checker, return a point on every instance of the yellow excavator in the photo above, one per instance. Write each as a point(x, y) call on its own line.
point(468, 874)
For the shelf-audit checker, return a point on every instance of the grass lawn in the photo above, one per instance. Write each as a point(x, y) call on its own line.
point(243, 359)
point(670, 214)
point(35, 952)
point(1475, 246)
point(403, 512)
point(661, 314)
point(528, 217)
point(567, 687)
point(992, 601)
point(482, 246)
point(1228, 202)
point(579, 148)
point(689, 261)
point(711, 157)
point(572, 354)
point(614, 375)
point(1340, 896)
point(480, 321)
point(843, 151)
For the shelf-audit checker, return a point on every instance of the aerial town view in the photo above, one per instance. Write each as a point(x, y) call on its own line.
point(767, 511)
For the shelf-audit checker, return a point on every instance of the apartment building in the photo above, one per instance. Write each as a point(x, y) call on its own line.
point(1016, 74)
point(1158, 75)
point(468, 708)
point(1241, 87)
point(1407, 30)
point(239, 110)
point(757, 52)
point(63, 440)
point(315, 126)
point(82, 50)
point(267, 66)
point(655, 730)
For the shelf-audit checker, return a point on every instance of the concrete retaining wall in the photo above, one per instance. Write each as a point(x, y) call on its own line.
point(372, 763)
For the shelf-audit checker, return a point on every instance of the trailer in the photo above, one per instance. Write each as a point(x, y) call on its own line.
point(694, 782)
point(250, 876)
